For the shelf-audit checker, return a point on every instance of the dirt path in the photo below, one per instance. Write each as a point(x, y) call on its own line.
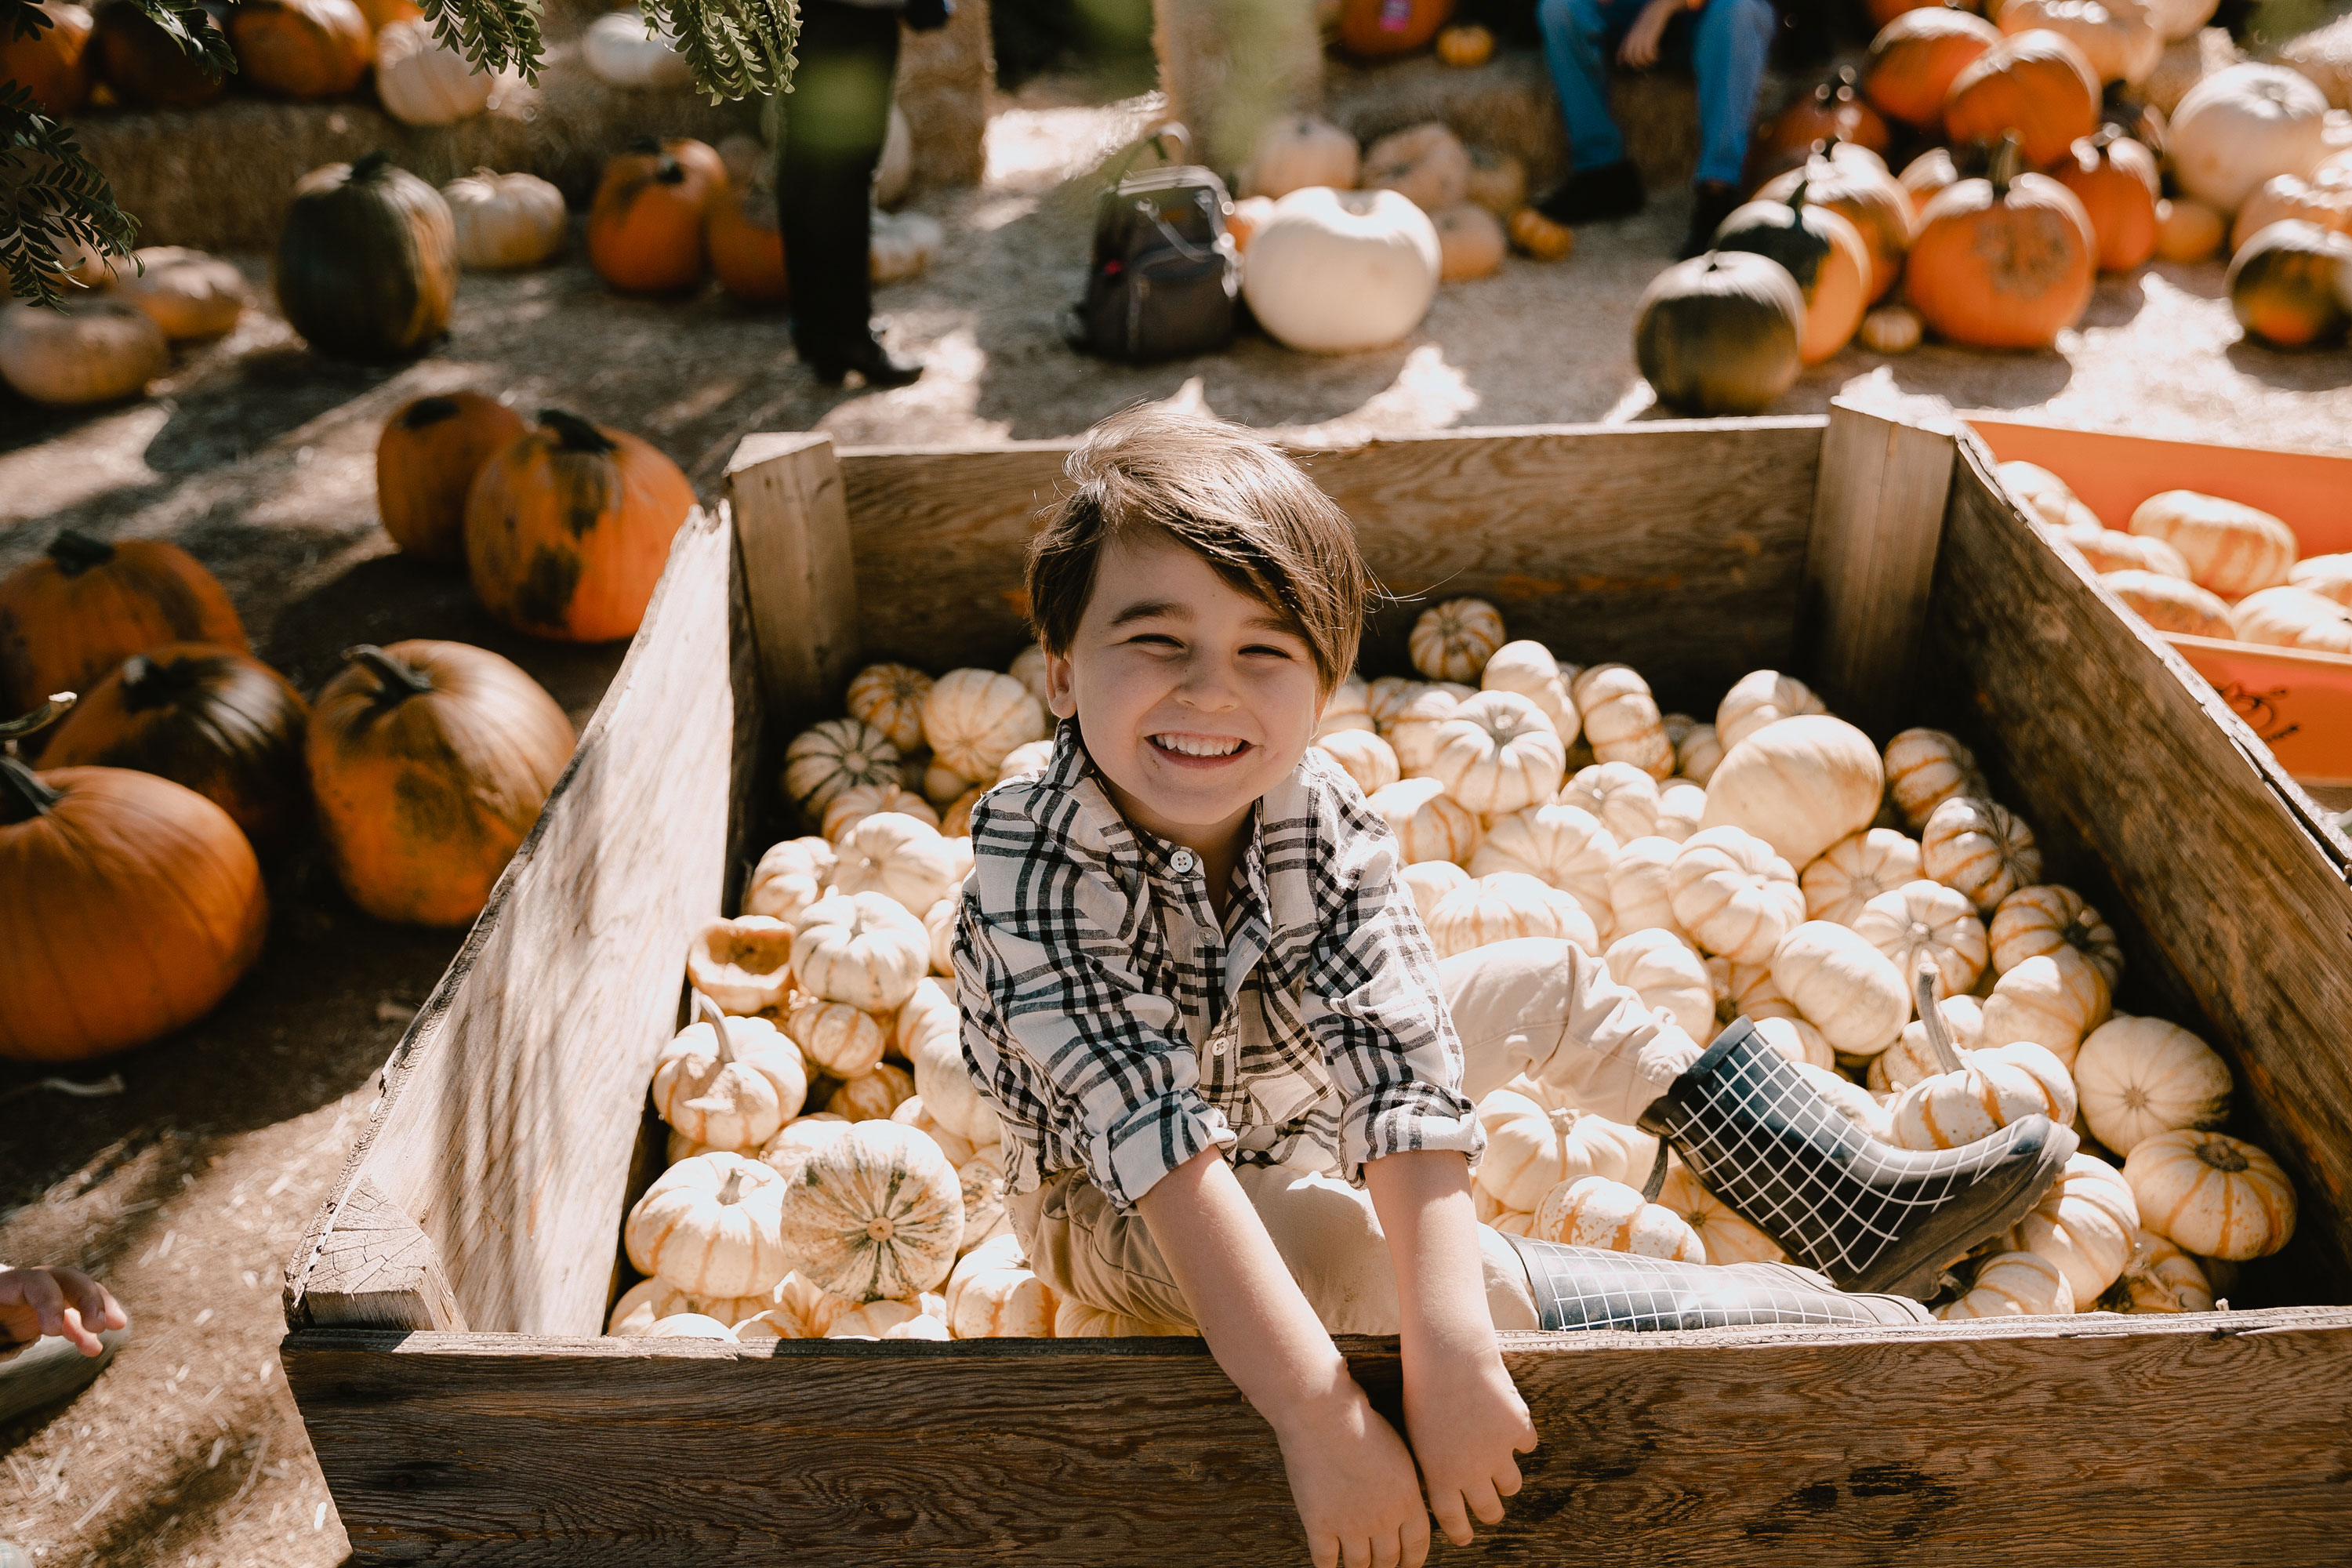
point(188, 1191)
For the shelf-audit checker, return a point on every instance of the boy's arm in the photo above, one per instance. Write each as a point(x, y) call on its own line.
point(1465, 1418)
point(1351, 1475)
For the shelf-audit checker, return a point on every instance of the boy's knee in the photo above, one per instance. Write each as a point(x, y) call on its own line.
point(1570, 18)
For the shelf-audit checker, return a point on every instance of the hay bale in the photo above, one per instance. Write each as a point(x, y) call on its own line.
point(2325, 54)
point(1230, 66)
point(942, 86)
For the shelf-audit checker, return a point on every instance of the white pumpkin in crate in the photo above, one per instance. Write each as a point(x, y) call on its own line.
point(1528, 668)
point(855, 803)
point(1028, 758)
point(1850, 873)
point(1560, 845)
point(846, 1041)
point(863, 948)
point(993, 1295)
point(833, 754)
point(2013, 1284)
point(1593, 1211)
point(933, 1047)
point(1925, 768)
point(1927, 922)
point(1761, 697)
point(913, 1112)
point(1638, 896)
point(1797, 1041)
point(743, 964)
point(2052, 999)
point(731, 1083)
point(1734, 895)
point(889, 698)
point(1498, 754)
point(1454, 639)
point(1622, 720)
point(874, 1213)
point(2084, 1224)
point(1994, 1087)
point(1911, 1058)
point(982, 1179)
point(1801, 784)
point(792, 875)
point(505, 222)
point(1363, 756)
point(785, 1151)
point(1698, 753)
point(1429, 825)
point(1505, 907)
point(2216, 1196)
point(2038, 921)
point(1622, 798)
point(1415, 726)
point(712, 1226)
point(1532, 1148)
point(2240, 127)
point(2140, 1076)
point(1385, 698)
point(1981, 848)
point(1337, 271)
point(1682, 809)
point(974, 718)
point(1668, 976)
point(2159, 1278)
point(1724, 1236)
point(901, 856)
point(873, 1095)
point(1430, 881)
point(422, 82)
point(1842, 985)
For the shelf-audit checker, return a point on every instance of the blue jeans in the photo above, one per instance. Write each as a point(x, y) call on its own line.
point(1727, 41)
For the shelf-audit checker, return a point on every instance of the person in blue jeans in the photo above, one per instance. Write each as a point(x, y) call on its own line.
point(1727, 42)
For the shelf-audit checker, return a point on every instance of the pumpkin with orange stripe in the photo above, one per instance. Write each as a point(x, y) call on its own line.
point(2216, 1196)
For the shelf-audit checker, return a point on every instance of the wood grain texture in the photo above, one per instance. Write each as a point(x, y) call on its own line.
point(374, 1268)
point(1878, 516)
point(510, 1108)
point(1677, 547)
point(2112, 742)
point(792, 519)
point(2061, 1438)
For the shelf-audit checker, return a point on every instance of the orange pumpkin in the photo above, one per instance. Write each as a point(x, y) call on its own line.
point(2036, 83)
point(132, 905)
point(219, 722)
point(430, 761)
point(645, 227)
point(1832, 109)
point(1377, 29)
point(1915, 58)
point(1541, 236)
point(2114, 179)
point(1868, 196)
point(2287, 284)
point(300, 48)
point(1882, 12)
point(53, 64)
point(144, 65)
point(383, 14)
point(68, 618)
point(1822, 251)
point(425, 461)
point(2187, 230)
point(1465, 47)
point(2006, 262)
point(746, 246)
point(567, 529)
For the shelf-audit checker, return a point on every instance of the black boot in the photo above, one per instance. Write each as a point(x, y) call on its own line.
point(1583, 1287)
point(832, 363)
point(1710, 205)
point(1866, 1214)
point(1592, 195)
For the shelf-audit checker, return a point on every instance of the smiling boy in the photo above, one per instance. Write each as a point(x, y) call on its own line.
point(1234, 1096)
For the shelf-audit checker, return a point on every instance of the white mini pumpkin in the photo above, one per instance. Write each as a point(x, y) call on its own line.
point(730, 1083)
point(2329, 575)
point(420, 81)
point(792, 875)
point(846, 1041)
point(1682, 809)
point(711, 1226)
point(505, 222)
point(2215, 1195)
point(1622, 798)
point(1528, 668)
point(1796, 1041)
point(1497, 754)
point(1761, 697)
point(2052, 999)
point(84, 351)
point(833, 754)
point(1839, 883)
point(874, 1095)
point(874, 1213)
point(1452, 640)
point(855, 803)
point(1912, 1057)
point(743, 964)
point(1503, 908)
point(1362, 755)
point(1385, 698)
point(1414, 727)
point(933, 1045)
point(2288, 616)
point(1733, 894)
point(865, 949)
point(2042, 919)
point(982, 1180)
point(1698, 753)
point(1925, 920)
point(1622, 721)
point(1669, 977)
point(1560, 845)
point(2140, 1076)
point(1429, 825)
point(993, 1295)
point(785, 1151)
point(1430, 881)
point(939, 925)
point(1339, 272)
point(911, 1113)
point(1925, 768)
point(2241, 126)
point(1993, 1088)
point(1799, 784)
point(1593, 1211)
point(1842, 985)
point(1028, 668)
point(898, 856)
point(2232, 549)
point(2159, 1278)
point(2013, 1284)
point(1532, 1147)
point(889, 698)
point(1639, 898)
point(622, 50)
point(1723, 1235)
point(972, 718)
point(2084, 1224)
point(1980, 848)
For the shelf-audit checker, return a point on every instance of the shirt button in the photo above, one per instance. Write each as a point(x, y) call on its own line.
point(1183, 860)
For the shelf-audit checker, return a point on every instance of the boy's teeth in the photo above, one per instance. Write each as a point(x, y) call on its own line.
point(1198, 745)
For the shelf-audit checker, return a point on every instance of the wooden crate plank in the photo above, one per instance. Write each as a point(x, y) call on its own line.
point(2061, 1438)
point(2112, 739)
point(374, 1268)
point(510, 1109)
point(1677, 547)
point(793, 518)
point(1878, 516)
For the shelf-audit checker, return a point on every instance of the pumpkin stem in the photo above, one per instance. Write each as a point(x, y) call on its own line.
point(397, 680)
point(367, 166)
point(427, 411)
point(1796, 196)
point(574, 434)
point(1931, 1017)
point(731, 1190)
point(59, 704)
point(716, 1019)
point(76, 553)
point(23, 795)
point(2220, 1155)
point(2005, 160)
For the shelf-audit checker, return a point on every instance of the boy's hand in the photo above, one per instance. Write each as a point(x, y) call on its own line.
point(37, 1301)
point(1353, 1481)
point(1640, 49)
point(1467, 1422)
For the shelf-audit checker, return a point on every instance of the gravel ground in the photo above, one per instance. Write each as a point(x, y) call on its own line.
point(188, 1191)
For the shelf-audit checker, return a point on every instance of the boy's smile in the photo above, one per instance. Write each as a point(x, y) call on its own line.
point(1194, 697)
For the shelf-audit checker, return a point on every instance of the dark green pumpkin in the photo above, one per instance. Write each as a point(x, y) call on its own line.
point(2291, 284)
point(221, 722)
point(367, 264)
point(1718, 333)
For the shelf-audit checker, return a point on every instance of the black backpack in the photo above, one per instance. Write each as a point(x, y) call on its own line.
point(1165, 272)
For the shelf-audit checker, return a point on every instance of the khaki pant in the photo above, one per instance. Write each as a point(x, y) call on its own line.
point(1540, 1007)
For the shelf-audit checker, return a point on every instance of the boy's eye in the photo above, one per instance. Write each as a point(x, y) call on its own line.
point(1267, 649)
point(1153, 639)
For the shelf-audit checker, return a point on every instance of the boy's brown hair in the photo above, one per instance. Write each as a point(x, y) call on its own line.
point(1227, 495)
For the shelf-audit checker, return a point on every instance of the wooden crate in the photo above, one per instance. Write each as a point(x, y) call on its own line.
point(445, 1307)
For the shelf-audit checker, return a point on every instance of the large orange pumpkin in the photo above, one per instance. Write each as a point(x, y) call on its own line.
point(219, 722)
point(2287, 284)
point(129, 905)
point(2006, 262)
point(1868, 196)
point(68, 618)
point(1915, 58)
point(53, 64)
point(1822, 251)
point(747, 246)
point(567, 529)
point(430, 761)
point(1832, 109)
point(144, 65)
point(425, 461)
point(2036, 83)
point(300, 48)
point(645, 227)
point(2114, 179)
point(1377, 29)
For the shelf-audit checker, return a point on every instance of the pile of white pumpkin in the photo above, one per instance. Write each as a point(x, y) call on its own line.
point(836, 1172)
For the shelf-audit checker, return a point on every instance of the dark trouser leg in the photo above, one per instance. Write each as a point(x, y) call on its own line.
point(834, 123)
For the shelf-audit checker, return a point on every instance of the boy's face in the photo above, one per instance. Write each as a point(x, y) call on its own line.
point(1194, 698)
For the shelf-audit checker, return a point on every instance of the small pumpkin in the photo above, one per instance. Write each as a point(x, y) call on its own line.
point(1454, 640)
point(1698, 753)
point(2170, 604)
point(1544, 238)
point(427, 461)
point(1734, 895)
point(1927, 922)
point(1470, 242)
point(730, 1083)
point(1499, 182)
point(1429, 825)
point(1593, 1211)
point(2004, 262)
point(1891, 329)
point(1532, 1148)
point(422, 81)
point(863, 948)
point(2216, 1196)
point(185, 293)
point(1622, 798)
point(843, 1040)
point(2036, 921)
point(1843, 985)
point(1337, 271)
point(2114, 178)
point(94, 855)
point(2159, 1278)
point(367, 263)
point(300, 48)
point(1993, 1088)
point(1363, 756)
point(2140, 1076)
point(873, 1095)
point(873, 1214)
point(2288, 616)
point(712, 1225)
point(1915, 57)
point(1563, 845)
point(568, 529)
point(2327, 575)
point(993, 1295)
point(834, 755)
point(1725, 1237)
point(505, 222)
point(1839, 883)
point(2187, 230)
point(1981, 848)
point(743, 965)
point(68, 617)
point(745, 238)
point(1801, 784)
point(1497, 754)
point(80, 351)
point(1295, 150)
point(2241, 126)
point(1465, 46)
point(2051, 1000)
point(2013, 1284)
point(854, 805)
point(2287, 284)
point(1666, 973)
point(2232, 548)
point(901, 856)
point(1622, 720)
point(221, 722)
point(2036, 85)
point(1761, 697)
point(1505, 907)
point(1639, 895)
point(646, 224)
point(928, 1033)
point(2085, 1224)
point(147, 67)
point(429, 762)
point(1720, 333)
point(1823, 252)
point(974, 718)
point(52, 62)
point(1914, 1056)
point(1528, 668)
point(1426, 163)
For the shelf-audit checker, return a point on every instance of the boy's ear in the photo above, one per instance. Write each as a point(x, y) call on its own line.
point(1062, 694)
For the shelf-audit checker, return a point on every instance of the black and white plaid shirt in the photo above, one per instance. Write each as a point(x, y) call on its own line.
point(1120, 1028)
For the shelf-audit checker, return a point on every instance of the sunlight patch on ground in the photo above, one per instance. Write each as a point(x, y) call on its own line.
point(954, 364)
point(1032, 149)
point(1428, 393)
point(111, 455)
